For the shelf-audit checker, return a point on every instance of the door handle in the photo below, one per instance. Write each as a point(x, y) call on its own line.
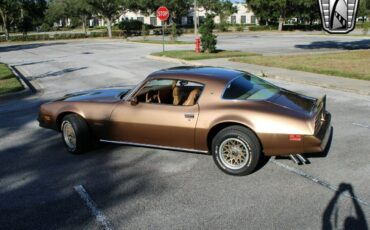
point(189, 115)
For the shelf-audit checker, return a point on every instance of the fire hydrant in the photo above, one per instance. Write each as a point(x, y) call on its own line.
point(197, 45)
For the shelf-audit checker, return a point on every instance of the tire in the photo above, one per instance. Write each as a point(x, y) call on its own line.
point(75, 127)
point(236, 150)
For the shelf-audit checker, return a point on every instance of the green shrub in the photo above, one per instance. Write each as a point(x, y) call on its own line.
point(98, 34)
point(117, 33)
point(158, 31)
point(302, 27)
point(261, 28)
point(100, 27)
point(223, 26)
point(208, 39)
point(240, 28)
point(115, 27)
point(70, 36)
point(173, 32)
point(365, 28)
point(287, 27)
point(144, 31)
point(131, 27)
point(187, 30)
point(60, 36)
point(45, 27)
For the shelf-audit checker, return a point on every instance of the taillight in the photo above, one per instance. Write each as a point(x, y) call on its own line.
point(295, 137)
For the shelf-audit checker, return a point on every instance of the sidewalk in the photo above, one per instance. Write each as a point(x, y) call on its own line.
point(325, 81)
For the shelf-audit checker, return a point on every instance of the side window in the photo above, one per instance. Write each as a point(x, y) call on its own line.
point(170, 92)
point(155, 91)
point(153, 21)
point(186, 93)
point(233, 19)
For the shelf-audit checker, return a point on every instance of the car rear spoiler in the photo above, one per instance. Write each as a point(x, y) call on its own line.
point(321, 104)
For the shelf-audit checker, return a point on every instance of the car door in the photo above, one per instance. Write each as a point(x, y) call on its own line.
point(154, 123)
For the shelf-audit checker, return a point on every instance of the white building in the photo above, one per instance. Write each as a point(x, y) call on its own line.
point(244, 15)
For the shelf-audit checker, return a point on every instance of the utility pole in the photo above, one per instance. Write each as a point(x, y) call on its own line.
point(195, 18)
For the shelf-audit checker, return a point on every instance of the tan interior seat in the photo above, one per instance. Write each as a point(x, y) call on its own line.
point(176, 94)
point(192, 97)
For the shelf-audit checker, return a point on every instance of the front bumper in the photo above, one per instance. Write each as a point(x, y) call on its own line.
point(45, 121)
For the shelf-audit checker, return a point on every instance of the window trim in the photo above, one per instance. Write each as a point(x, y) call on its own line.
point(234, 79)
point(225, 88)
point(138, 89)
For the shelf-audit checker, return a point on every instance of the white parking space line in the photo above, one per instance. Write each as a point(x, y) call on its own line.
point(362, 125)
point(318, 181)
point(99, 216)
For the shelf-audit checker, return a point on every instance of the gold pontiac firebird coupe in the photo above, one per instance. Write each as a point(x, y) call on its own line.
point(237, 117)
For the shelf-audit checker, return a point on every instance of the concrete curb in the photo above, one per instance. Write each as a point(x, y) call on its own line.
point(29, 88)
point(24, 80)
point(266, 74)
point(173, 60)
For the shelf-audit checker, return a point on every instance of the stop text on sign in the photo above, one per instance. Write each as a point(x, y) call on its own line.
point(163, 13)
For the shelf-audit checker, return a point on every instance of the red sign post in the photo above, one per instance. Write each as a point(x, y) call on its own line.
point(163, 13)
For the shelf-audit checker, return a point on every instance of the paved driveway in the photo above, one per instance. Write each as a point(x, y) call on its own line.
point(141, 188)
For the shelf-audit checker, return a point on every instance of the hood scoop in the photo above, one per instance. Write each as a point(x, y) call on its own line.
point(97, 95)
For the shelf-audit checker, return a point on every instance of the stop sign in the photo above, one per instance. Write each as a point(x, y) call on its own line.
point(163, 13)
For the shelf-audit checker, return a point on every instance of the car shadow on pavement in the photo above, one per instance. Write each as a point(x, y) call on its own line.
point(38, 176)
point(353, 45)
point(33, 63)
point(331, 216)
point(28, 46)
point(58, 73)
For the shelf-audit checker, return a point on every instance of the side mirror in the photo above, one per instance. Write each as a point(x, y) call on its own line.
point(134, 101)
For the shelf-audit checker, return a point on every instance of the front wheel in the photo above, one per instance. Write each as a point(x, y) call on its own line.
point(236, 150)
point(75, 134)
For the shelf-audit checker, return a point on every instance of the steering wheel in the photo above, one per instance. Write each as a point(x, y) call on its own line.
point(148, 98)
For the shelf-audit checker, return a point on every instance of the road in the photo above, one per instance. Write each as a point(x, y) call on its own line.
point(141, 188)
point(275, 43)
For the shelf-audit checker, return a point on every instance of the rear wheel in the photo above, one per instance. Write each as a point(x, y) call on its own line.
point(75, 134)
point(236, 150)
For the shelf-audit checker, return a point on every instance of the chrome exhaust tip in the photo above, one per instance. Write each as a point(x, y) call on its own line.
point(303, 159)
point(299, 159)
point(295, 159)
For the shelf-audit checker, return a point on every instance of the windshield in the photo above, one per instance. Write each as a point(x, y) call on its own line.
point(131, 91)
point(248, 87)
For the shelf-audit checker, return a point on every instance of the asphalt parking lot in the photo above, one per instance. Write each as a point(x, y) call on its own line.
point(141, 188)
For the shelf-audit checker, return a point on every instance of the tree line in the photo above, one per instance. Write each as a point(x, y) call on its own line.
point(30, 15)
point(273, 12)
point(21, 14)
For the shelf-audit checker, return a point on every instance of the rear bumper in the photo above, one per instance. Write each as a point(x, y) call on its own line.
point(318, 143)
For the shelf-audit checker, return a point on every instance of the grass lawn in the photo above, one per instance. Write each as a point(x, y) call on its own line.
point(8, 82)
point(191, 55)
point(354, 64)
point(166, 42)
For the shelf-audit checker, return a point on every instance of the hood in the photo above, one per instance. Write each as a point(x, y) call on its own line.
point(97, 95)
point(294, 101)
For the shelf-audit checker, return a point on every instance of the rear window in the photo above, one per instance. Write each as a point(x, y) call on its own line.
point(248, 87)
